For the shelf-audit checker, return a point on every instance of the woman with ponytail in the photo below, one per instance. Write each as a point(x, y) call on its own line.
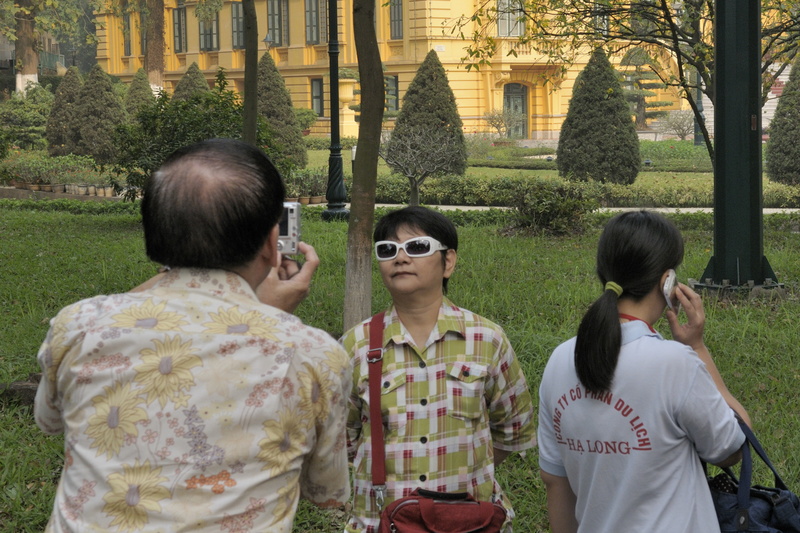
point(625, 417)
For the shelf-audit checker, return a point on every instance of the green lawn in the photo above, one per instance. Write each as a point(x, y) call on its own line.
point(536, 287)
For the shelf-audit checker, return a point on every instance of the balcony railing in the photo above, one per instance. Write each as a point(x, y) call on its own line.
point(48, 60)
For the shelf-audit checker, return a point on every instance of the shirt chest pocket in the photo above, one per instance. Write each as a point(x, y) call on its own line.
point(393, 400)
point(466, 384)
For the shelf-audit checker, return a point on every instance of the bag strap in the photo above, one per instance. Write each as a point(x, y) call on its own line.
point(375, 366)
point(751, 438)
point(746, 472)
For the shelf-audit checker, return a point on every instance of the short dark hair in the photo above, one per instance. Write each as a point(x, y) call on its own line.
point(634, 251)
point(211, 205)
point(431, 223)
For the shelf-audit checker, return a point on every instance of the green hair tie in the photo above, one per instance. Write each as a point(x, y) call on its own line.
point(611, 286)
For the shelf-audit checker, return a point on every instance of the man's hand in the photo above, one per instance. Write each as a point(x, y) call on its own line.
point(289, 284)
point(691, 333)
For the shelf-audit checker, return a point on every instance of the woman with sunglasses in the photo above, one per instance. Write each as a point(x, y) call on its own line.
point(625, 417)
point(454, 400)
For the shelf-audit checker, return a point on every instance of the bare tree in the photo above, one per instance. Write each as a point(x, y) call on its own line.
point(504, 121)
point(679, 122)
point(420, 153)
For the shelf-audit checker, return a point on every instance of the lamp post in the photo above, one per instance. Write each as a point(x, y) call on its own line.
point(268, 40)
point(336, 194)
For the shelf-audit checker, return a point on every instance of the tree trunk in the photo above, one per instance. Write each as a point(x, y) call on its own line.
point(154, 63)
point(413, 195)
point(358, 271)
point(250, 111)
point(26, 47)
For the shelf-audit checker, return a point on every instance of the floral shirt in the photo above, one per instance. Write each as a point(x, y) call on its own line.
point(192, 406)
point(445, 405)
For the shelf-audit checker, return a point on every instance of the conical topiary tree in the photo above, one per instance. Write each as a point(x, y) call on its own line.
point(640, 83)
point(275, 105)
point(63, 129)
point(100, 111)
point(192, 83)
point(783, 148)
point(428, 138)
point(598, 138)
point(140, 94)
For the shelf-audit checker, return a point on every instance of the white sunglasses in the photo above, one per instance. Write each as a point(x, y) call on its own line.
point(415, 247)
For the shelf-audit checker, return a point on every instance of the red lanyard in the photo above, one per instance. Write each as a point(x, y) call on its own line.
point(630, 317)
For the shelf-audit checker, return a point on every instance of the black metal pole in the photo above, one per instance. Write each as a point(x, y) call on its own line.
point(738, 259)
point(336, 193)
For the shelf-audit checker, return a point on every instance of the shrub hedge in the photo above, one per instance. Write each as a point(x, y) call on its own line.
point(324, 143)
point(36, 166)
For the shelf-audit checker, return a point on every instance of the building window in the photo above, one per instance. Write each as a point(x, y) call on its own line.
point(126, 34)
point(396, 19)
point(392, 94)
point(317, 102)
point(209, 38)
point(237, 25)
point(143, 32)
point(510, 21)
point(278, 22)
point(179, 29)
point(316, 29)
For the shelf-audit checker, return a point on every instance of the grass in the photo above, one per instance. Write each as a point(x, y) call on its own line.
point(536, 287)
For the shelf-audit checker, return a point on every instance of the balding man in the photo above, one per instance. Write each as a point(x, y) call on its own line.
point(190, 405)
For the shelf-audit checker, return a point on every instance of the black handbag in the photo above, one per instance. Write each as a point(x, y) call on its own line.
point(743, 508)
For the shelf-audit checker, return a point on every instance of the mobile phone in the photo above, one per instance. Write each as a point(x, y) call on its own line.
point(669, 290)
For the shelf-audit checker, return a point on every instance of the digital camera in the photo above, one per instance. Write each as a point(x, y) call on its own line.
point(289, 229)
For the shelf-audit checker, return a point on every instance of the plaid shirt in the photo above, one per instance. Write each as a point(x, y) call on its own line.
point(445, 406)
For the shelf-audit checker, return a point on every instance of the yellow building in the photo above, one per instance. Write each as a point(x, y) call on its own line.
point(406, 29)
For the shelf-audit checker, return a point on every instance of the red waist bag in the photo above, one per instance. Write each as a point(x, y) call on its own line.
point(425, 511)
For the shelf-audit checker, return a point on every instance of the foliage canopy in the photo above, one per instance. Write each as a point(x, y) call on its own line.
point(192, 83)
point(168, 124)
point(139, 95)
point(64, 120)
point(428, 136)
point(23, 117)
point(783, 150)
point(100, 111)
point(275, 105)
point(598, 139)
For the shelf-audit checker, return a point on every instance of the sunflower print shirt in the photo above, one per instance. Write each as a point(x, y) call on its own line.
point(192, 406)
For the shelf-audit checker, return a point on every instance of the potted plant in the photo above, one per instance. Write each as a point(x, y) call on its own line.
point(318, 184)
point(305, 118)
point(292, 187)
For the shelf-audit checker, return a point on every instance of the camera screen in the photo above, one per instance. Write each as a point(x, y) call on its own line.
point(284, 224)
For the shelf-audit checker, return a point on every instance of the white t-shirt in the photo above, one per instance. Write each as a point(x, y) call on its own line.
point(632, 455)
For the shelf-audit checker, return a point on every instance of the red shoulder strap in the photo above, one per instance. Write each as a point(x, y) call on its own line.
point(375, 365)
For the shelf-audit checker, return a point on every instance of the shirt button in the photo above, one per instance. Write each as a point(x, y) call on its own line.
point(423, 477)
point(386, 384)
point(422, 364)
point(423, 440)
point(424, 401)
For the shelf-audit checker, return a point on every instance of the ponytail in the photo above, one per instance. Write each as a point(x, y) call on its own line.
point(598, 343)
